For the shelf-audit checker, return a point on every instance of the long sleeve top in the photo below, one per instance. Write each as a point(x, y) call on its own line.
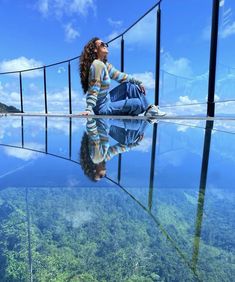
point(99, 80)
point(99, 147)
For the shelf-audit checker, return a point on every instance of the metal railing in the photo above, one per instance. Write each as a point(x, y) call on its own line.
point(212, 64)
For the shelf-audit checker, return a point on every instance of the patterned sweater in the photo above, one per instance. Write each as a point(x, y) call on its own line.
point(99, 147)
point(99, 80)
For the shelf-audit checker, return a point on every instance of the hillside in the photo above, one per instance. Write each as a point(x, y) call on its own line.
point(8, 109)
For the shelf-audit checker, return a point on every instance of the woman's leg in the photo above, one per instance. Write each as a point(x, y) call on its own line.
point(131, 107)
point(127, 98)
point(127, 131)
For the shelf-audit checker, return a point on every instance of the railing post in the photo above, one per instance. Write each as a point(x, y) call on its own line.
point(70, 92)
point(46, 135)
point(70, 138)
point(21, 93)
point(162, 88)
point(122, 54)
point(45, 88)
point(213, 57)
point(202, 190)
point(152, 167)
point(122, 70)
point(22, 131)
point(158, 50)
point(30, 267)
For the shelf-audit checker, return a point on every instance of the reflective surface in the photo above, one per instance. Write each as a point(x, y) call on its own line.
point(73, 209)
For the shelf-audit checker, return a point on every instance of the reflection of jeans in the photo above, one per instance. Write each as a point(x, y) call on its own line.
point(128, 132)
point(125, 99)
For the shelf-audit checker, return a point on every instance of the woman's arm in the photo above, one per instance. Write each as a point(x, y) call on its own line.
point(121, 76)
point(98, 140)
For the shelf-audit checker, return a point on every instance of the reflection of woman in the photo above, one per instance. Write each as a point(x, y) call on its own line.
point(95, 147)
point(96, 74)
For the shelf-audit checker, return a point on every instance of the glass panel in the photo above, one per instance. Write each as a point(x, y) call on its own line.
point(10, 91)
point(58, 89)
point(33, 91)
point(225, 76)
point(185, 56)
point(178, 225)
point(140, 53)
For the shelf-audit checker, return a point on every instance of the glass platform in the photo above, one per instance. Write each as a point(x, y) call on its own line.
point(116, 200)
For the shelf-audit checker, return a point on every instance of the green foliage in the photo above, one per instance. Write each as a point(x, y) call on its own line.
point(101, 235)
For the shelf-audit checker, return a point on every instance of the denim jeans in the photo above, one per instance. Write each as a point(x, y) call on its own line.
point(125, 99)
point(124, 131)
point(127, 132)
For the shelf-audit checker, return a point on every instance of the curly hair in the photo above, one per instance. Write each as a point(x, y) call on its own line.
point(87, 57)
point(86, 162)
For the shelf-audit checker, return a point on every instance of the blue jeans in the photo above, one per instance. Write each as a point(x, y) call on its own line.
point(125, 99)
point(127, 132)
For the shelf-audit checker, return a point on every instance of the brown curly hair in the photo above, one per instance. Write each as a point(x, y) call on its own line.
point(86, 162)
point(87, 57)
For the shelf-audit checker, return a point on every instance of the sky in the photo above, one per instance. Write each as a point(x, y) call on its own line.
point(179, 152)
point(41, 32)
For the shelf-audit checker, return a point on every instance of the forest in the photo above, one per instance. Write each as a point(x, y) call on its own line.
point(101, 234)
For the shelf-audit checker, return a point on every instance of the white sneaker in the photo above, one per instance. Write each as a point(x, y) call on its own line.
point(153, 111)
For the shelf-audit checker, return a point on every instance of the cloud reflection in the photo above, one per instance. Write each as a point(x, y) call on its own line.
point(24, 154)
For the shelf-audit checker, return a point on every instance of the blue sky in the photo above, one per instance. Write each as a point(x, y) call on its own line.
point(178, 160)
point(40, 32)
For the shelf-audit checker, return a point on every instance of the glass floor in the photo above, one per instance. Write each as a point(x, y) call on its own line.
point(116, 200)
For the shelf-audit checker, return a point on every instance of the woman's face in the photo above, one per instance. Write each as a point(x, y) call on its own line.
point(102, 49)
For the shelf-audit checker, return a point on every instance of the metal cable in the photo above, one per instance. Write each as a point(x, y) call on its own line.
point(194, 104)
point(72, 59)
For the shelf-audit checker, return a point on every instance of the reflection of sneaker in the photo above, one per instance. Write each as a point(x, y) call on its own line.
point(152, 120)
point(153, 111)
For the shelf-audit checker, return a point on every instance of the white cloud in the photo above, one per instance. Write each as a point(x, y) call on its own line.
point(115, 44)
point(24, 154)
point(64, 9)
point(228, 30)
point(180, 66)
point(34, 99)
point(222, 109)
point(137, 35)
point(221, 3)
point(206, 33)
point(181, 110)
point(147, 79)
point(35, 126)
point(70, 33)
point(144, 146)
point(227, 108)
point(20, 64)
point(59, 8)
point(43, 7)
point(225, 31)
point(115, 24)
point(144, 32)
point(81, 6)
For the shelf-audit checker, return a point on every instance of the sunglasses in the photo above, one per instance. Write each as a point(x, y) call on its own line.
point(103, 44)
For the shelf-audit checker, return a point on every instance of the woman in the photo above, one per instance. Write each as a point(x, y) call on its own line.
point(96, 149)
point(96, 73)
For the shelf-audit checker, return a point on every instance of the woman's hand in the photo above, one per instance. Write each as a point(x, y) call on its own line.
point(142, 89)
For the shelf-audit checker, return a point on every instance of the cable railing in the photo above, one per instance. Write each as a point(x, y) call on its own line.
point(211, 76)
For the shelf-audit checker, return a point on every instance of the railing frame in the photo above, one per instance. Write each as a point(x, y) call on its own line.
point(212, 61)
